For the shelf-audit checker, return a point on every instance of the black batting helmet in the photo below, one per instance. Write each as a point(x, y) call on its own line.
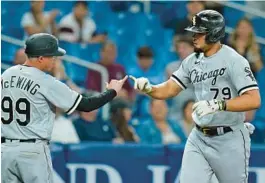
point(210, 22)
point(43, 44)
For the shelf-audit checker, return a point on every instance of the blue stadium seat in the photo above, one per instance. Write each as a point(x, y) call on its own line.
point(258, 24)
point(160, 7)
point(8, 52)
point(11, 17)
point(154, 37)
point(102, 20)
point(64, 8)
point(126, 55)
point(99, 6)
point(72, 49)
point(169, 35)
point(90, 52)
point(15, 32)
point(232, 16)
point(126, 35)
point(77, 73)
point(180, 9)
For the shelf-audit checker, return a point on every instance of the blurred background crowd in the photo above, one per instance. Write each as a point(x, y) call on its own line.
point(130, 38)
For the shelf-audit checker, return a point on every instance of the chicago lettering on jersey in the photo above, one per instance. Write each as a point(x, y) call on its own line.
point(196, 76)
point(22, 83)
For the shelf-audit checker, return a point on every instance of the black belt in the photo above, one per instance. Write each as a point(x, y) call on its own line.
point(213, 131)
point(3, 140)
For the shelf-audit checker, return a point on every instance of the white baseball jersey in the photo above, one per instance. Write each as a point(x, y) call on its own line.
point(224, 75)
point(29, 100)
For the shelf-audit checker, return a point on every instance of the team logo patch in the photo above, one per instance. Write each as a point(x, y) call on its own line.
point(249, 73)
point(194, 20)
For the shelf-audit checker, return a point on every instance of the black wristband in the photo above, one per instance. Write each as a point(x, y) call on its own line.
point(224, 105)
point(88, 104)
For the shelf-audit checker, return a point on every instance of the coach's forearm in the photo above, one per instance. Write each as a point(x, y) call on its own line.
point(88, 104)
point(250, 100)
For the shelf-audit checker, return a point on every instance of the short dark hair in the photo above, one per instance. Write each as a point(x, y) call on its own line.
point(84, 3)
point(117, 104)
point(145, 52)
point(107, 43)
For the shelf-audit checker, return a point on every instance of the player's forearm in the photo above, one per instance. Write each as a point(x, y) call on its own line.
point(88, 104)
point(246, 102)
point(159, 92)
point(164, 90)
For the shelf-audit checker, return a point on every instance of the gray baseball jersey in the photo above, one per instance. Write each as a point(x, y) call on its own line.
point(224, 75)
point(29, 100)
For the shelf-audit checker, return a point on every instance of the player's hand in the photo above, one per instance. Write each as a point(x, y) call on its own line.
point(205, 107)
point(250, 128)
point(142, 84)
point(116, 84)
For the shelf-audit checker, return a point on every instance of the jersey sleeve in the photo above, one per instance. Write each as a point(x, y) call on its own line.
point(242, 76)
point(62, 96)
point(181, 76)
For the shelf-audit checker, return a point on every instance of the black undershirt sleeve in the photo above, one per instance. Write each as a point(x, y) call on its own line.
point(88, 104)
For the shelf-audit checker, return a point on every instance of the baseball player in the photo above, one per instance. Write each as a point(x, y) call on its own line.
point(224, 87)
point(28, 101)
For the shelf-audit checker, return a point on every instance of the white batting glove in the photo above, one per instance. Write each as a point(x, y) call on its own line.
point(250, 128)
point(142, 84)
point(205, 107)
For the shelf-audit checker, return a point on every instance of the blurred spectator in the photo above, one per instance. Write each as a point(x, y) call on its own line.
point(120, 115)
point(63, 130)
point(183, 47)
point(108, 56)
point(244, 42)
point(145, 68)
point(37, 21)
point(91, 128)
point(193, 7)
point(20, 57)
point(159, 129)
point(187, 123)
point(78, 27)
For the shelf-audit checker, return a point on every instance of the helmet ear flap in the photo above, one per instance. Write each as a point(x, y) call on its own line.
point(215, 35)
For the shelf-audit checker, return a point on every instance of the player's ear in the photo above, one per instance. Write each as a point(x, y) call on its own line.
point(40, 59)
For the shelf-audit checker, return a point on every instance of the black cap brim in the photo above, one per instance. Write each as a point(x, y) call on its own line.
point(196, 29)
point(59, 52)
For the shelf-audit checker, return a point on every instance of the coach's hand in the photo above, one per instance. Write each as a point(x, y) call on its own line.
point(116, 84)
point(142, 84)
point(205, 107)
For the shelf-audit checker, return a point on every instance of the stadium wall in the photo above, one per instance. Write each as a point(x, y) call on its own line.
point(130, 163)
